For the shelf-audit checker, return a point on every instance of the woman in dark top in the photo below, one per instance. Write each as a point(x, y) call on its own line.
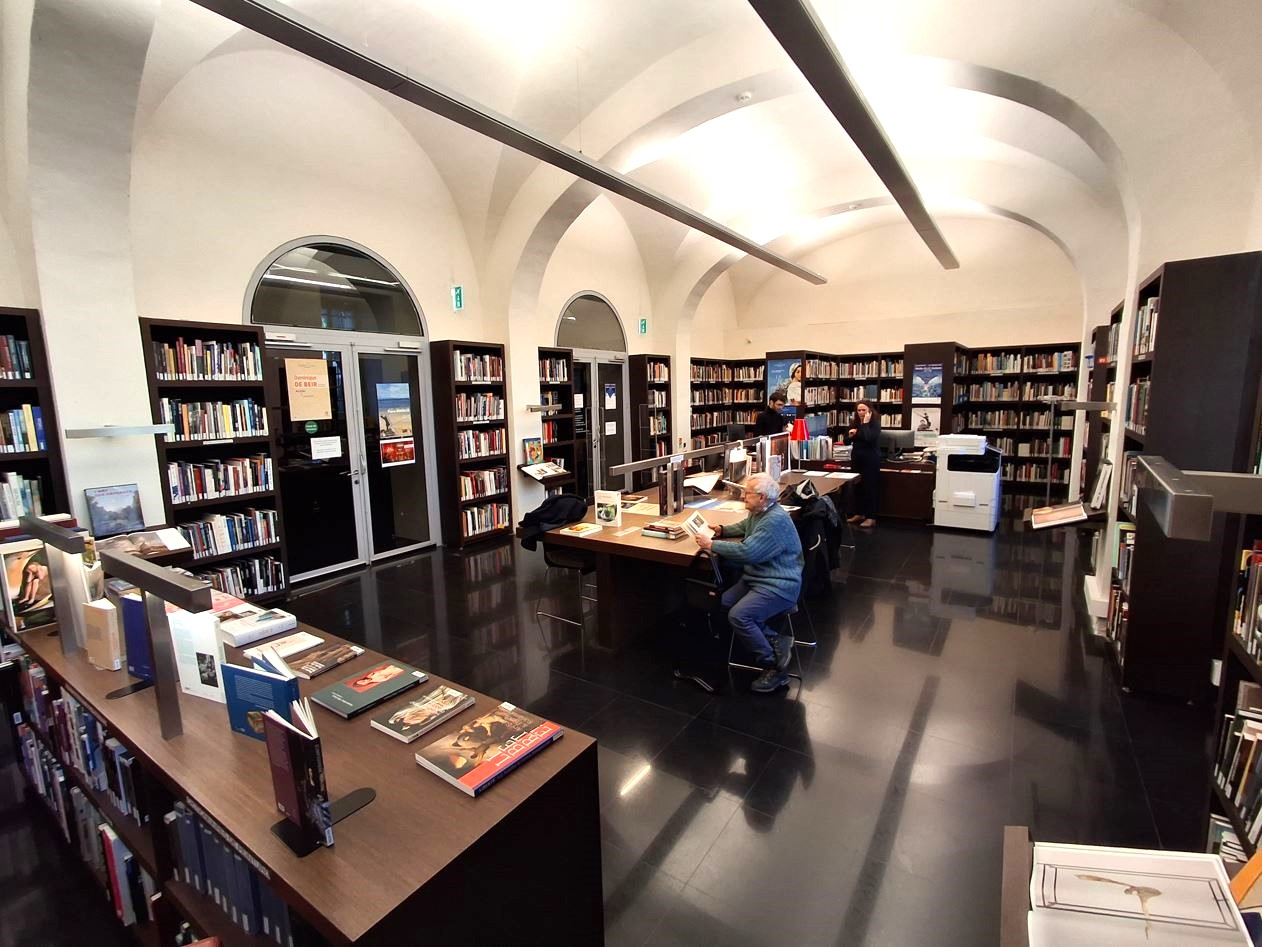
point(865, 458)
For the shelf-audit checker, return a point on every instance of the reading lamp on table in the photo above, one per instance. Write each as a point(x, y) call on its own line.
point(799, 436)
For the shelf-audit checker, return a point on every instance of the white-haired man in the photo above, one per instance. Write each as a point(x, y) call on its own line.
point(770, 554)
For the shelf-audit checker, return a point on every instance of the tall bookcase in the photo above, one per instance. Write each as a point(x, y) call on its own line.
point(1098, 424)
point(820, 372)
point(1002, 391)
point(188, 389)
point(30, 384)
point(708, 401)
point(468, 448)
point(878, 377)
point(652, 433)
point(556, 387)
point(1195, 360)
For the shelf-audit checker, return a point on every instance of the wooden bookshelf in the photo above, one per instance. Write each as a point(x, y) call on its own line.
point(46, 464)
point(877, 376)
point(262, 391)
point(652, 430)
point(556, 386)
point(1003, 385)
point(1202, 369)
point(414, 847)
point(447, 382)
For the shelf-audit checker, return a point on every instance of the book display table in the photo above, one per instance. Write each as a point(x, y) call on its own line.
point(423, 863)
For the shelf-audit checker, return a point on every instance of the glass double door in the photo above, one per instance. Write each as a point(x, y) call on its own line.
point(353, 466)
point(601, 426)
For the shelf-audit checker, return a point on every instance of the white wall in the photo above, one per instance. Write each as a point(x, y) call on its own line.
point(12, 292)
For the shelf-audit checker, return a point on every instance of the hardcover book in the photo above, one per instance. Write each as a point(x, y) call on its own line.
point(297, 762)
point(422, 715)
point(288, 646)
point(245, 623)
point(369, 688)
point(326, 659)
point(100, 624)
point(532, 449)
point(487, 748)
point(251, 692)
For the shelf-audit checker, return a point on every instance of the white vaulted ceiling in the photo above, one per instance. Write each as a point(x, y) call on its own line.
point(1115, 131)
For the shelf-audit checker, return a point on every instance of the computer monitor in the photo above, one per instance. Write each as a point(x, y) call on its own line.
point(894, 441)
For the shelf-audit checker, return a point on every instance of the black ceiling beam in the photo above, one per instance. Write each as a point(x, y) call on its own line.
point(794, 24)
point(288, 28)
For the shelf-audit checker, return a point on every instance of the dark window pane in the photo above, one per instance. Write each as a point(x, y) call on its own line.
point(589, 323)
point(325, 286)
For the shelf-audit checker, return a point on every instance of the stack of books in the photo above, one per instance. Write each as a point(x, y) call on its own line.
point(1238, 766)
point(664, 529)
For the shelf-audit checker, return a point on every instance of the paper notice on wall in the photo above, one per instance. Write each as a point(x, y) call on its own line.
point(307, 381)
point(611, 397)
point(326, 448)
point(578, 402)
point(611, 427)
point(397, 451)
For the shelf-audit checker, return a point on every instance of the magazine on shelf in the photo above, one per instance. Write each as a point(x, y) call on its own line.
point(1062, 515)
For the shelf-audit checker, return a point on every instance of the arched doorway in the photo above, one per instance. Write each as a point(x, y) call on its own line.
point(348, 356)
point(589, 325)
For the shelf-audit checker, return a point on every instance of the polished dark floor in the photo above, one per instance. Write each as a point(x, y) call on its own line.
point(955, 690)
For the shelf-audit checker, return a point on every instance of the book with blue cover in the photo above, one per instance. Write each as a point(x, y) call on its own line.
point(136, 636)
point(252, 691)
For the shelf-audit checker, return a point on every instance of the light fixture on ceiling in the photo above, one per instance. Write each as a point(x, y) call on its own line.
point(745, 98)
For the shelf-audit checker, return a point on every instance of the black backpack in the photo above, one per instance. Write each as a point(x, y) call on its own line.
point(559, 509)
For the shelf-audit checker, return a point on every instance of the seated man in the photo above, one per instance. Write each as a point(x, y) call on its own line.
point(771, 577)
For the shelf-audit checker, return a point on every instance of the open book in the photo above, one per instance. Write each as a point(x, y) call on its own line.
point(695, 525)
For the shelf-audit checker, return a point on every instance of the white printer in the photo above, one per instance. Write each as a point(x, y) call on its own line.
point(966, 490)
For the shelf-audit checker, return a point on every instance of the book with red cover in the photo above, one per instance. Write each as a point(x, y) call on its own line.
point(488, 748)
point(297, 762)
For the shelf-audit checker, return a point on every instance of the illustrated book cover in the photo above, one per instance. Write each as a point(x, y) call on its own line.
point(297, 763)
point(418, 717)
point(369, 688)
point(488, 747)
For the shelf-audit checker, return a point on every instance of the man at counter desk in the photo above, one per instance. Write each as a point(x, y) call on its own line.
point(770, 556)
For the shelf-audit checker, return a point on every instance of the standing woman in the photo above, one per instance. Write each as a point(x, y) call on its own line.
point(865, 458)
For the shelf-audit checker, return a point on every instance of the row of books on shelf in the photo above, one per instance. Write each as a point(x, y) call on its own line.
point(1238, 762)
point(995, 363)
point(1124, 554)
point(1248, 600)
point(704, 396)
point(212, 480)
point(1146, 326)
point(476, 443)
point(15, 359)
point(20, 495)
point(1063, 361)
point(1223, 842)
point(887, 393)
point(702, 419)
point(1034, 471)
point(1127, 493)
point(1031, 391)
point(710, 373)
point(247, 578)
point(656, 398)
point(213, 420)
point(129, 887)
point(22, 429)
point(481, 483)
point(655, 424)
point(1136, 407)
point(871, 368)
point(552, 370)
point(469, 367)
point(219, 533)
point(658, 372)
point(201, 360)
point(554, 431)
point(1111, 345)
point(1010, 446)
point(1117, 622)
point(1017, 419)
point(485, 518)
point(479, 406)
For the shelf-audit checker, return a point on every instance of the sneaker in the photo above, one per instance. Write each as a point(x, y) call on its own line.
point(854, 519)
point(783, 648)
point(867, 524)
point(769, 681)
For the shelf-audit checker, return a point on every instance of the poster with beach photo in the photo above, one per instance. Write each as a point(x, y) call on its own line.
point(394, 409)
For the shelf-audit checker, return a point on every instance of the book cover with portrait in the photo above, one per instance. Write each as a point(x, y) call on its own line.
point(368, 688)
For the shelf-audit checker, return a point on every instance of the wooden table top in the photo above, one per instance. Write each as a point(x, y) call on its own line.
point(382, 854)
point(627, 540)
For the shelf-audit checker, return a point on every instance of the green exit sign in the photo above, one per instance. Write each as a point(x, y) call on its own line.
point(457, 298)
point(644, 327)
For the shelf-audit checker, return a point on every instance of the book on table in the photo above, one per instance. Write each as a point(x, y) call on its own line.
point(251, 692)
point(488, 747)
point(245, 623)
point(608, 505)
point(418, 717)
point(297, 763)
point(664, 529)
point(580, 529)
point(366, 689)
point(101, 631)
point(326, 659)
point(288, 646)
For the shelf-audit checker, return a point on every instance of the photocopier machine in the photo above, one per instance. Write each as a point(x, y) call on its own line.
point(967, 484)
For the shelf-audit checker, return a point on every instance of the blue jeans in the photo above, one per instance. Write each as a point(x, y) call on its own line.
point(750, 609)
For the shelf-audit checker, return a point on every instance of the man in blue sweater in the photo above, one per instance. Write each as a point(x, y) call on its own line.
point(770, 554)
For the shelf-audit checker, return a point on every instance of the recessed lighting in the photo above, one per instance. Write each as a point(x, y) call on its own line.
point(745, 98)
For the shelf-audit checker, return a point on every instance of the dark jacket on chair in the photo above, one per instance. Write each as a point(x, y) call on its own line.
point(558, 510)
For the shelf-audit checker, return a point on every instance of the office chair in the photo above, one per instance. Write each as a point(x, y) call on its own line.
point(582, 564)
